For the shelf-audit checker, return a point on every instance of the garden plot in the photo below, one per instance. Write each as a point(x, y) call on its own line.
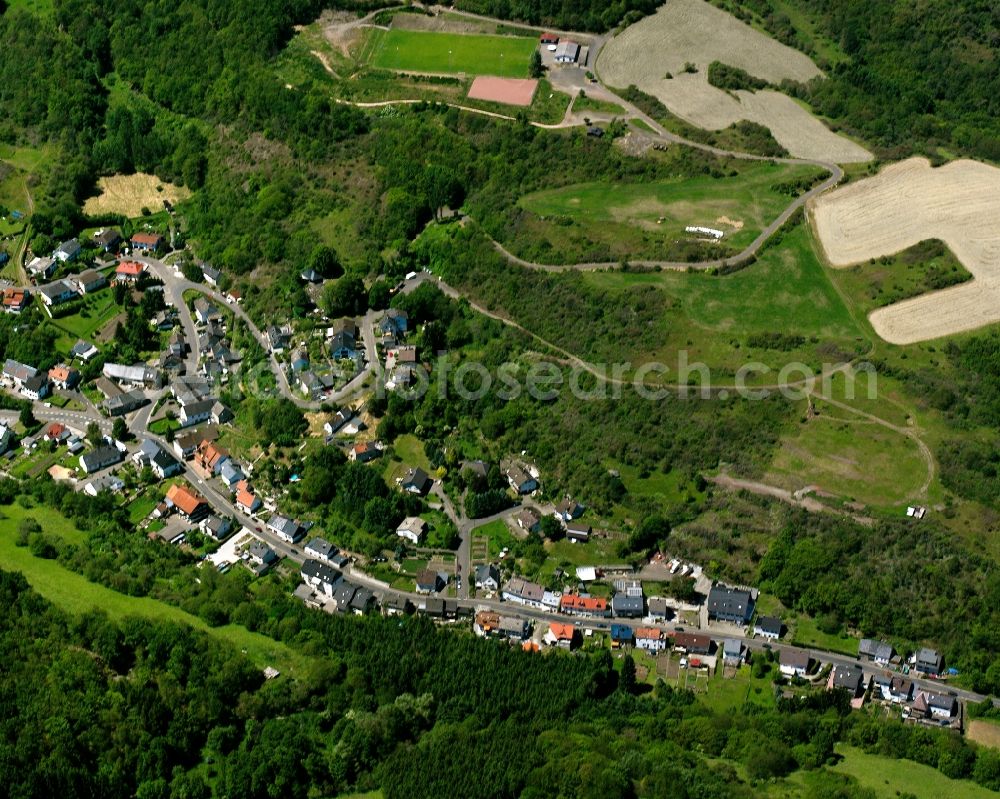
point(693, 32)
point(910, 202)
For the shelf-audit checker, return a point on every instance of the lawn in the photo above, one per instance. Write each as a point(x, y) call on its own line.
point(98, 309)
point(730, 693)
point(584, 221)
point(451, 53)
point(855, 459)
point(888, 777)
point(716, 319)
point(76, 594)
point(584, 104)
point(806, 633)
point(410, 450)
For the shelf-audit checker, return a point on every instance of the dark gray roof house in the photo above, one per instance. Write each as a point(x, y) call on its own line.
point(416, 481)
point(876, 650)
point(929, 661)
point(768, 626)
point(627, 607)
point(847, 676)
point(729, 604)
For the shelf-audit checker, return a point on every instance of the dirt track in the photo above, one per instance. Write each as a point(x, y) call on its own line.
point(692, 31)
point(910, 202)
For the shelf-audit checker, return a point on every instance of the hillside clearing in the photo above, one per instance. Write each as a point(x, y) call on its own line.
point(907, 203)
point(130, 194)
point(603, 221)
point(687, 32)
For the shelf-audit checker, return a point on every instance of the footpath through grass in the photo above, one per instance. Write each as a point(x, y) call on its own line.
point(451, 53)
point(74, 593)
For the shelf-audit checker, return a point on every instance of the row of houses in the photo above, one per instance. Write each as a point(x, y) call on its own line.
point(326, 586)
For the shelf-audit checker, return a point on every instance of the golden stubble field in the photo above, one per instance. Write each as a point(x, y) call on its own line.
point(692, 31)
point(129, 194)
point(910, 202)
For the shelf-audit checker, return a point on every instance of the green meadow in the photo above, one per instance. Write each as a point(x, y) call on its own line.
point(645, 220)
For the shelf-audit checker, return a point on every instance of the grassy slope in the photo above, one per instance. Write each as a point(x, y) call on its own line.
point(711, 317)
point(420, 51)
point(75, 593)
point(888, 777)
point(625, 217)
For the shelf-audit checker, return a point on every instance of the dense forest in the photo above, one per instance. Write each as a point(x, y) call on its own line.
point(580, 15)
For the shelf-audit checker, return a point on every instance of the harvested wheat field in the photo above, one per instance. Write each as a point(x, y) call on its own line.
point(129, 194)
point(984, 732)
point(910, 202)
point(692, 31)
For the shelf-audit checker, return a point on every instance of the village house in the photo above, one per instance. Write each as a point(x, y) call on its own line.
point(64, 377)
point(693, 643)
point(187, 502)
point(395, 322)
point(137, 376)
point(429, 582)
point(57, 293)
point(343, 341)
point(849, 677)
point(109, 483)
point(186, 446)
point(520, 480)
point(195, 412)
point(621, 635)
point(321, 549)
point(100, 458)
point(487, 577)
point(321, 577)
point(893, 688)
point(107, 239)
point(624, 606)
point(734, 605)
point(209, 457)
point(529, 520)
point(935, 705)
point(658, 609)
point(586, 606)
point(67, 251)
point(416, 481)
point(57, 432)
point(129, 272)
point(125, 402)
point(16, 373)
point(564, 636)
point(42, 268)
point(412, 528)
point(83, 350)
point(794, 663)
point(522, 592)
point(732, 652)
point(36, 387)
point(288, 530)
point(928, 661)
point(768, 627)
point(246, 500)
point(147, 242)
point(568, 509)
point(880, 652)
point(16, 300)
point(650, 639)
point(231, 473)
point(578, 532)
point(364, 451)
point(89, 281)
point(211, 274)
point(260, 557)
point(216, 527)
point(221, 414)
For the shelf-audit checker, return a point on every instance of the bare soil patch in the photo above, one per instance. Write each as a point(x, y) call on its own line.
point(129, 194)
point(510, 91)
point(910, 202)
point(686, 32)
